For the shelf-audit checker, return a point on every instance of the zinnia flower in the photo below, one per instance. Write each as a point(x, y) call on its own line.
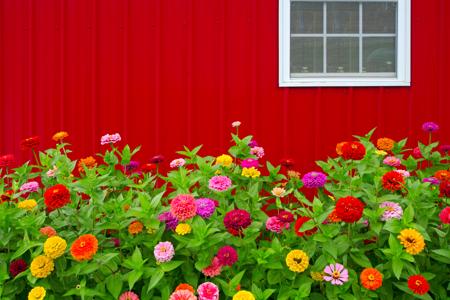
point(183, 229)
point(249, 163)
point(430, 127)
point(57, 196)
point(418, 284)
point(170, 220)
point(416, 153)
point(381, 152)
point(288, 163)
point(182, 295)
point(258, 151)
point(353, 150)
point(393, 181)
point(285, 216)
point(54, 247)
point(17, 266)
point(37, 293)
point(412, 240)
point(432, 180)
point(177, 163)
point(183, 207)
point(298, 225)
point(444, 149)
point(371, 279)
point(42, 266)
point(392, 161)
point(110, 139)
point(444, 189)
point(185, 286)
point(293, 174)
point(48, 231)
point(236, 220)
point(224, 160)
point(317, 276)
point(164, 252)
point(219, 183)
point(274, 224)
point(133, 166)
point(314, 180)
point(442, 175)
point(148, 168)
point(157, 159)
point(391, 211)
point(27, 204)
point(208, 291)
point(333, 217)
point(243, 295)
point(385, 144)
point(236, 124)
point(88, 162)
point(59, 136)
point(227, 256)
point(278, 192)
point(205, 207)
point(30, 187)
point(349, 209)
point(404, 173)
point(214, 269)
point(52, 172)
point(135, 227)
point(250, 172)
point(84, 247)
point(336, 273)
point(297, 261)
point(129, 295)
point(6, 161)
point(30, 143)
point(445, 215)
point(339, 148)
point(253, 143)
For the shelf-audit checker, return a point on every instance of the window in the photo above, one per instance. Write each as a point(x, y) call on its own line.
point(344, 42)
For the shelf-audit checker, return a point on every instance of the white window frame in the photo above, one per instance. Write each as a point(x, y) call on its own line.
point(403, 57)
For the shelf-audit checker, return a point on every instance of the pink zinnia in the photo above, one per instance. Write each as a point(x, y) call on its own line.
point(214, 269)
point(445, 215)
point(164, 252)
point(29, 187)
point(182, 295)
point(177, 163)
point(249, 162)
point(336, 273)
point(227, 256)
point(48, 231)
point(208, 291)
point(274, 224)
point(110, 139)
point(258, 151)
point(129, 296)
point(392, 161)
point(183, 207)
point(219, 183)
point(404, 173)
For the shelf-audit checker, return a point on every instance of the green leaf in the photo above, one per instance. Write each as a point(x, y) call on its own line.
point(442, 255)
point(156, 277)
point(305, 287)
point(397, 266)
point(236, 279)
point(361, 259)
point(408, 215)
point(114, 284)
point(133, 277)
point(171, 265)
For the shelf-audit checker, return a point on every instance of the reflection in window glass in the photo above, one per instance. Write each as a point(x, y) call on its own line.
point(306, 17)
point(306, 55)
point(342, 55)
point(379, 17)
point(342, 17)
point(379, 54)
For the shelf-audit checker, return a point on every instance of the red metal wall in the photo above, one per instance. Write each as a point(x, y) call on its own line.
point(164, 73)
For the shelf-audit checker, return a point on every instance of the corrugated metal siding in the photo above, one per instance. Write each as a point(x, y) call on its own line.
point(165, 73)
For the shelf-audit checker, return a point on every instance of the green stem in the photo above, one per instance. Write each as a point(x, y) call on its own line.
point(35, 157)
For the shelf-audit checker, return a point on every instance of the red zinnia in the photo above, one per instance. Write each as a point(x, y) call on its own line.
point(393, 181)
point(237, 220)
point(6, 161)
point(84, 247)
point(148, 168)
point(30, 143)
point(298, 225)
point(17, 266)
point(418, 284)
point(444, 188)
point(6, 197)
point(353, 150)
point(445, 215)
point(285, 217)
point(227, 255)
point(349, 209)
point(57, 196)
point(288, 163)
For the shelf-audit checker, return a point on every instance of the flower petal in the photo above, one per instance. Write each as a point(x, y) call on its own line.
point(327, 278)
point(328, 269)
point(339, 267)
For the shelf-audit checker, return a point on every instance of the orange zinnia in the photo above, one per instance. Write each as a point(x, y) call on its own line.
point(59, 136)
point(339, 148)
point(84, 248)
point(135, 227)
point(185, 286)
point(442, 175)
point(385, 144)
point(88, 162)
point(332, 217)
point(371, 279)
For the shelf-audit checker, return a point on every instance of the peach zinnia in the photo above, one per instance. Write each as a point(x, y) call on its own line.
point(84, 248)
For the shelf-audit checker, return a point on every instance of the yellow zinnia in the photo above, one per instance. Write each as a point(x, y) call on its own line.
point(317, 276)
point(27, 204)
point(381, 152)
point(183, 229)
point(250, 172)
point(54, 247)
point(412, 240)
point(37, 293)
point(297, 261)
point(243, 295)
point(59, 136)
point(42, 266)
point(224, 160)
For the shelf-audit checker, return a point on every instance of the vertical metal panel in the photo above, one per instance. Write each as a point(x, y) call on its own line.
point(173, 72)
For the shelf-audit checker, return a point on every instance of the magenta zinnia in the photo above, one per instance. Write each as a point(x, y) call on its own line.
point(237, 220)
point(227, 255)
point(219, 183)
point(208, 291)
point(129, 296)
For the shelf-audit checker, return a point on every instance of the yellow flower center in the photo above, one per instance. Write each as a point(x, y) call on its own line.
point(371, 277)
point(82, 244)
point(336, 274)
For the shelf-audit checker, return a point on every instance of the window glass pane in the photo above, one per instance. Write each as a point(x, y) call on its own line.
point(379, 17)
point(379, 54)
point(306, 55)
point(306, 17)
point(342, 17)
point(342, 55)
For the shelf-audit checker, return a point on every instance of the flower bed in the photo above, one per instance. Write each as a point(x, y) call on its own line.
point(229, 226)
